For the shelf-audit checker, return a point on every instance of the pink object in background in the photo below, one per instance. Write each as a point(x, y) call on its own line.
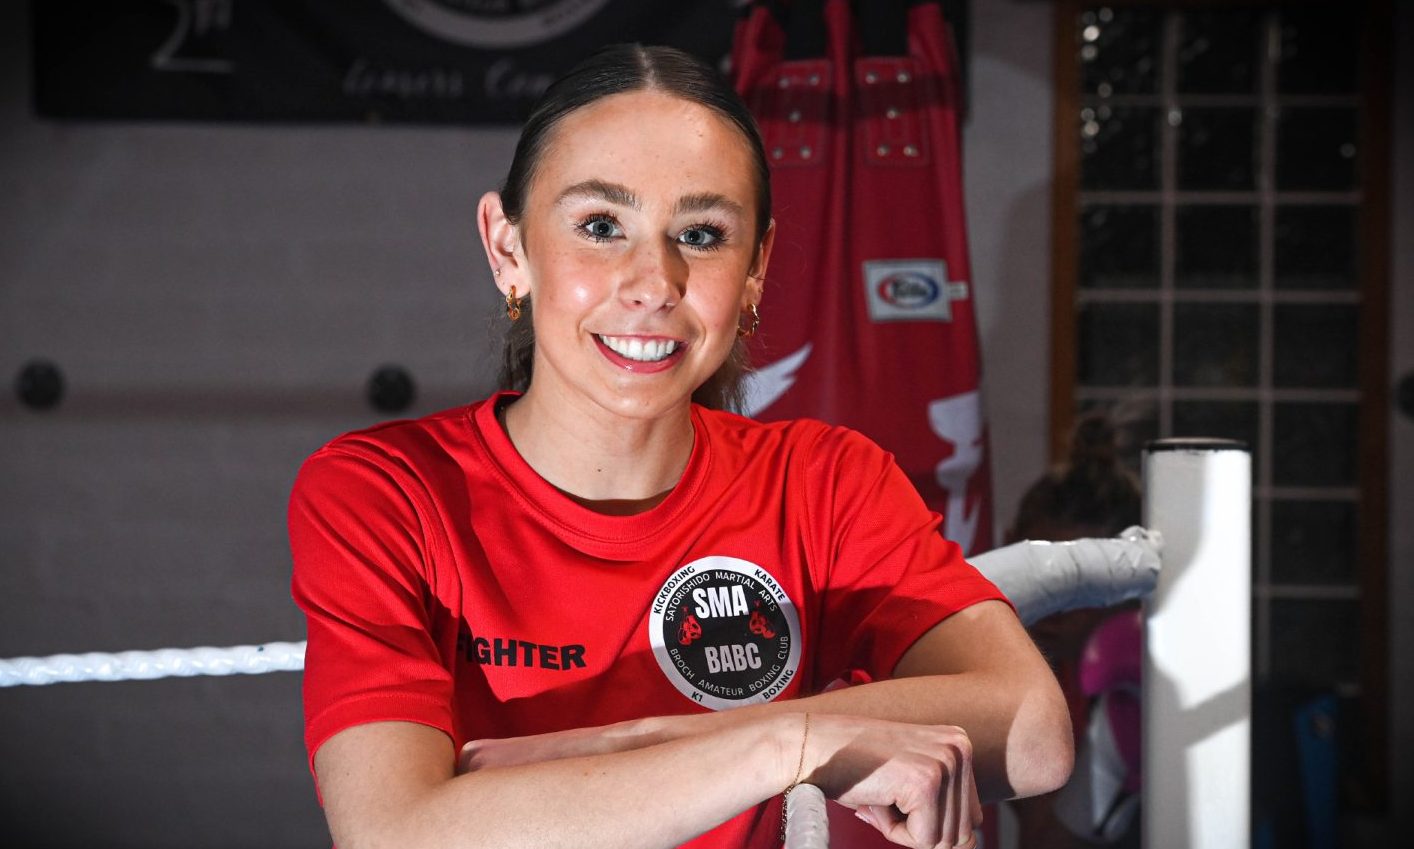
point(1111, 666)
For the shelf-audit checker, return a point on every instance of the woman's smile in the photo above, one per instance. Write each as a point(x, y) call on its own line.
point(641, 353)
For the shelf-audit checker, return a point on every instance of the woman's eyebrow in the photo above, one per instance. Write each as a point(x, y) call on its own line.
point(598, 189)
point(621, 195)
point(703, 201)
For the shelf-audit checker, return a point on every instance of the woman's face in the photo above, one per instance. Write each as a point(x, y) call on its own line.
point(636, 242)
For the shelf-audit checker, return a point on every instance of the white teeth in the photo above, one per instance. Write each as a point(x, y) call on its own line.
point(634, 348)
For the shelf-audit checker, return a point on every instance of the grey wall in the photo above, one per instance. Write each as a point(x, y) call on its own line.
point(1007, 165)
point(217, 295)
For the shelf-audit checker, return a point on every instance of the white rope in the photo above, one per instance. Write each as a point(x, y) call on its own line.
point(1040, 578)
point(807, 822)
point(147, 665)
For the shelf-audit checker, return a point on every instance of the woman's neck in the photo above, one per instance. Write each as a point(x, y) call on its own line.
point(606, 462)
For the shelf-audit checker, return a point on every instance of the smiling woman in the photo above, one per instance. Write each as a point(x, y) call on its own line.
point(610, 73)
point(528, 616)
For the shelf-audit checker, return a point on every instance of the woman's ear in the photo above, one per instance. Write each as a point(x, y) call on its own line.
point(756, 277)
point(501, 239)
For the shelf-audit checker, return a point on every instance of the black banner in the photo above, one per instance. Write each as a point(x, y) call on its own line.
point(420, 61)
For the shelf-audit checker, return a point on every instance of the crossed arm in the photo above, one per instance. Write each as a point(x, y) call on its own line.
point(896, 751)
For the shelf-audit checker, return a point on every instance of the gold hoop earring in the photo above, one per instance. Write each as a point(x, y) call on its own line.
point(512, 305)
point(748, 332)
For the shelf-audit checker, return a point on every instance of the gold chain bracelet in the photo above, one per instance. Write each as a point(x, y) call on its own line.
point(799, 766)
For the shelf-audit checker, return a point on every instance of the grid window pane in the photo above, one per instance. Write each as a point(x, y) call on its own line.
point(1315, 247)
point(1313, 542)
point(1221, 419)
point(1118, 344)
point(1119, 247)
point(1315, 642)
point(1318, 50)
point(1217, 148)
point(1316, 149)
point(1314, 444)
point(1316, 345)
point(1215, 344)
point(1119, 50)
point(1219, 52)
point(1216, 247)
point(1119, 147)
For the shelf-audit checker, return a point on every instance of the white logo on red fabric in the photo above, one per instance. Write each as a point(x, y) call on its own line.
point(764, 386)
point(958, 421)
point(725, 633)
point(911, 290)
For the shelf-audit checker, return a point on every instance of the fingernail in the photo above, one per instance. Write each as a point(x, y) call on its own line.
point(865, 817)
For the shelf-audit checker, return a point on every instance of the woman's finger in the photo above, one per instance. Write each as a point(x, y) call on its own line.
point(916, 828)
point(890, 823)
point(969, 809)
point(950, 796)
point(973, 803)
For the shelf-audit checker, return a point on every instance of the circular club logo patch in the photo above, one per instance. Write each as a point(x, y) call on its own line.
point(909, 290)
point(725, 633)
point(496, 23)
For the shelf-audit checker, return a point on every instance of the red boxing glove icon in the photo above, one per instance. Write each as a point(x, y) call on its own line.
point(759, 626)
point(689, 630)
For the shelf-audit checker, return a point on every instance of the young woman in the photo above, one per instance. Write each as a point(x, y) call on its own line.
point(528, 617)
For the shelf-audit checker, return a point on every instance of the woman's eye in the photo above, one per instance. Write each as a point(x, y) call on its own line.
point(601, 229)
point(701, 237)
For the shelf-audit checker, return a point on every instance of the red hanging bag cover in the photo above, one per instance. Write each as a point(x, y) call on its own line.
point(868, 318)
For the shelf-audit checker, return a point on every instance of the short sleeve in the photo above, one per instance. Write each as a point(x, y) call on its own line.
point(360, 575)
point(890, 575)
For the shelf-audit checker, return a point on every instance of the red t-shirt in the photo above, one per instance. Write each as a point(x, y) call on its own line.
point(445, 583)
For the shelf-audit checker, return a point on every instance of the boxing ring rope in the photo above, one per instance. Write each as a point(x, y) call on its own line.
point(1197, 658)
point(148, 665)
point(1040, 578)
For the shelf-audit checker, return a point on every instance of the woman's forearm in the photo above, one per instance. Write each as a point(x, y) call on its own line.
point(1021, 738)
point(977, 670)
point(391, 785)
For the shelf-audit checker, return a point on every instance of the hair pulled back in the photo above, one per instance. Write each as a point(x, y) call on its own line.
point(1092, 489)
point(618, 69)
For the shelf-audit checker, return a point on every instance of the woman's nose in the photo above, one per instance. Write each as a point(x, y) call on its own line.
point(657, 276)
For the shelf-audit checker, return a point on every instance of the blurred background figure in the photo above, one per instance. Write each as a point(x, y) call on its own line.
point(1094, 651)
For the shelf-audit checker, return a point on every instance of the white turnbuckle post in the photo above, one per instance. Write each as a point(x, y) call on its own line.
point(1197, 699)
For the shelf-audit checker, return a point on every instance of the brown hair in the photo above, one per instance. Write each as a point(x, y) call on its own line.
point(1092, 489)
point(615, 70)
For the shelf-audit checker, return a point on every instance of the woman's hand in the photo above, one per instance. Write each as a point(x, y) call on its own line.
point(913, 783)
